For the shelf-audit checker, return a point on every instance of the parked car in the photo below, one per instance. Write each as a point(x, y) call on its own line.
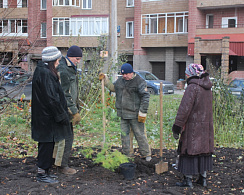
point(3, 70)
point(17, 86)
point(236, 87)
point(153, 83)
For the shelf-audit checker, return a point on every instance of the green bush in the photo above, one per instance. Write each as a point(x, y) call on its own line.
point(110, 159)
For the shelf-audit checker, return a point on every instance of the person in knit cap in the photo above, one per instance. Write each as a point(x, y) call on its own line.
point(132, 101)
point(49, 112)
point(194, 122)
point(69, 81)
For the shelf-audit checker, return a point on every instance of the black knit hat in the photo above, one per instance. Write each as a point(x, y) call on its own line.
point(74, 51)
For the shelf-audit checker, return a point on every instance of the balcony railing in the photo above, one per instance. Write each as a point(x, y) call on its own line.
point(220, 26)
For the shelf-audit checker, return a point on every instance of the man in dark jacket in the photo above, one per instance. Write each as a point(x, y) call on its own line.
point(49, 112)
point(194, 121)
point(132, 101)
point(69, 81)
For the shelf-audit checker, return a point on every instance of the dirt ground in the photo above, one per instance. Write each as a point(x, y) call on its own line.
point(17, 176)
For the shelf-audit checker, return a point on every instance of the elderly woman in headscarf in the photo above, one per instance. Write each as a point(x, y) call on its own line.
point(194, 123)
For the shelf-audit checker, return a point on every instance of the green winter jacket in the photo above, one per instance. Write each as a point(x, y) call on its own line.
point(69, 83)
point(131, 96)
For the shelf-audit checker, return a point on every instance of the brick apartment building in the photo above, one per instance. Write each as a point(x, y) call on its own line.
point(161, 36)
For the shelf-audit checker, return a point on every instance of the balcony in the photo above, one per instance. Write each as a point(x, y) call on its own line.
point(210, 4)
point(219, 29)
point(161, 40)
point(10, 13)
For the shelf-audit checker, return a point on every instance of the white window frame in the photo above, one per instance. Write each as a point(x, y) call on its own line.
point(152, 22)
point(57, 3)
point(17, 32)
point(184, 22)
point(20, 4)
point(5, 4)
point(130, 26)
point(42, 30)
point(89, 26)
point(225, 21)
point(207, 19)
point(87, 4)
point(60, 21)
point(42, 6)
point(128, 3)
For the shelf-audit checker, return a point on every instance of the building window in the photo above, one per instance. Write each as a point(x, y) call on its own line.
point(43, 4)
point(87, 4)
point(182, 24)
point(165, 23)
point(61, 26)
point(3, 3)
point(229, 22)
point(89, 26)
point(66, 2)
point(22, 3)
point(129, 3)
point(130, 29)
point(209, 21)
point(13, 27)
point(43, 30)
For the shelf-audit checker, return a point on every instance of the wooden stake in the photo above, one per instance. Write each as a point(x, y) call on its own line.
point(161, 166)
point(104, 117)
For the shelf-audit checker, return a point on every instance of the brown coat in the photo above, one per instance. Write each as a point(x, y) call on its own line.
point(195, 117)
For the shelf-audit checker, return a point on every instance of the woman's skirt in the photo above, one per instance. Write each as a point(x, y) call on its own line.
point(193, 165)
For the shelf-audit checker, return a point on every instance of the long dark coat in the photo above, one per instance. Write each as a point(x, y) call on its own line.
point(69, 83)
point(195, 117)
point(49, 113)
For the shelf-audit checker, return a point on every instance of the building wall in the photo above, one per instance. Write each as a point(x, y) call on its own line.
point(156, 54)
point(169, 40)
point(166, 6)
point(227, 12)
point(124, 14)
point(98, 9)
point(218, 3)
point(14, 13)
point(35, 18)
point(10, 43)
point(170, 57)
point(196, 17)
point(140, 61)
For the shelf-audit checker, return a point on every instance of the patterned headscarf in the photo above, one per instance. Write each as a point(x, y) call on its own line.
point(194, 70)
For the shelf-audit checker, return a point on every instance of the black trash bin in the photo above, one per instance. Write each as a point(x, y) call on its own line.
point(128, 170)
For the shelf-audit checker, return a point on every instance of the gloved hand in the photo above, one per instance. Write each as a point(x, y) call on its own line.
point(176, 135)
point(101, 76)
point(76, 118)
point(176, 131)
point(142, 117)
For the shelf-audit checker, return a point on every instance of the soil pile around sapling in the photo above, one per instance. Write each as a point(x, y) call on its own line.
point(18, 177)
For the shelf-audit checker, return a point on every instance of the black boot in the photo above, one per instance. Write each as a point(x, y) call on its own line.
point(51, 175)
point(43, 177)
point(185, 183)
point(202, 181)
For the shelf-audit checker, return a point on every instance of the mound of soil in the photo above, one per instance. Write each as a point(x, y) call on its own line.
point(17, 176)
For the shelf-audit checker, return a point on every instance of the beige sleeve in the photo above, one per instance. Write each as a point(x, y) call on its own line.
point(109, 84)
point(58, 152)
